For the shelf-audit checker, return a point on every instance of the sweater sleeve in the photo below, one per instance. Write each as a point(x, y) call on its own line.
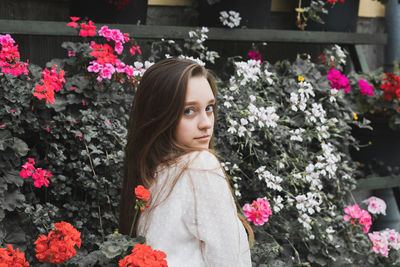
point(211, 215)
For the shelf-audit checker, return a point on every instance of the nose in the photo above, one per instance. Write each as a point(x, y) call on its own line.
point(206, 121)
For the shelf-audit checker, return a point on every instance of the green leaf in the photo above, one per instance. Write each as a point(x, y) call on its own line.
point(12, 200)
point(13, 177)
point(20, 147)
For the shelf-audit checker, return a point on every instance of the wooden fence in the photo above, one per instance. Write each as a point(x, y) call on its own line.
point(353, 40)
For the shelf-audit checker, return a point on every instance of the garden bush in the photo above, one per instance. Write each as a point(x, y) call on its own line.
point(282, 134)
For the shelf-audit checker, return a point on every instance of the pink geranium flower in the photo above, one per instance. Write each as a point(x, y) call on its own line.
point(392, 237)
point(135, 49)
point(28, 168)
point(41, 178)
point(356, 215)
point(379, 244)
point(258, 212)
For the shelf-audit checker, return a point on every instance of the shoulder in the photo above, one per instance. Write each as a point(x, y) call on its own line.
point(202, 160)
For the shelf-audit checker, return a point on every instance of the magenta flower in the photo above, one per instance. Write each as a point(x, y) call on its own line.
point(129, 70)
point(338, 80)
point(40, 176)
point(365, 88)
point(255, 55)
point(258, 212)
point(28, 168)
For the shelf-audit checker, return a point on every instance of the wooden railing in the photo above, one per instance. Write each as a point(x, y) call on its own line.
point(378, 182)
point(181, 32)
point(353, 40)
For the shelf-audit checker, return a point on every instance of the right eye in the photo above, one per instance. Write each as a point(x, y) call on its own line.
point(188, 111)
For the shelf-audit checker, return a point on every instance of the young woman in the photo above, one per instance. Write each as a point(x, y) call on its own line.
point(192, 215)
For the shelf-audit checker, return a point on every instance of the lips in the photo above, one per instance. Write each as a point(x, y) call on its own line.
point(203, 138)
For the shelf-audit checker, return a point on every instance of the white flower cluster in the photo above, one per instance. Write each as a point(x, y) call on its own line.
point(196, 43)
point(199, 36)
point(327, 162)
point(312, 176)
point(278, 205)
point(273, 182)
point(211, 56)
point(334, 94)
point(199, 61)
point(228, 100)
point(325, 167)
point(299, 100)
point(296, 134)
point(317, 113)
point(261, 117)
point(231, 18)
point(322, 132)
point(305, 220)
point(249, 71)
point(235, 179)
point(268, 76)
point(141, 68)
point(309, 203)
point(339, 54)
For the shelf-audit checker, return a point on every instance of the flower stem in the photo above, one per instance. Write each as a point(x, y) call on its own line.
point(133, 222)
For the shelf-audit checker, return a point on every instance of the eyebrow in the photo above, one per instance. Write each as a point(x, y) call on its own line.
point(211, 101)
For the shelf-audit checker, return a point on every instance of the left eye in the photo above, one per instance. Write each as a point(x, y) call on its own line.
point(210, 108)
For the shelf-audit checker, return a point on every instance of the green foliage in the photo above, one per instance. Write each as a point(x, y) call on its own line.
point(81, 138)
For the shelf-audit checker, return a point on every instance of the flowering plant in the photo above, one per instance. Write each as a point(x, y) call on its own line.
point(142, 197)
point(379, 96)
point(313, 10)
point(282, 129)
point(65, 125)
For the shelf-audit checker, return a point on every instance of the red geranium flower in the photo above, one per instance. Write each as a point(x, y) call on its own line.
point(391, 86)
point(10, 257)
point(59, 245)
point(144, 255)
point(142, 193)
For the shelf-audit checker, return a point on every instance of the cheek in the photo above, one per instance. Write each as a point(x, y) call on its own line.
point(183, 130)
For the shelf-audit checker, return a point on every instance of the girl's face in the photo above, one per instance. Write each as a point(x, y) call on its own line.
point(195, 127)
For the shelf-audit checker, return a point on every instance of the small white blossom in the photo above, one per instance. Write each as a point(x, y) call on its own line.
point(227, 103)
point(231, 18)
point(268, 77)
point(278, 203)
point(232, 128)
point(330, 230)
point(296, 134)
point(323, 132)
point(305, 220)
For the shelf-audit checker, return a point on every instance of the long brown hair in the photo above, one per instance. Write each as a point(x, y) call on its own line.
point(157, 107)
